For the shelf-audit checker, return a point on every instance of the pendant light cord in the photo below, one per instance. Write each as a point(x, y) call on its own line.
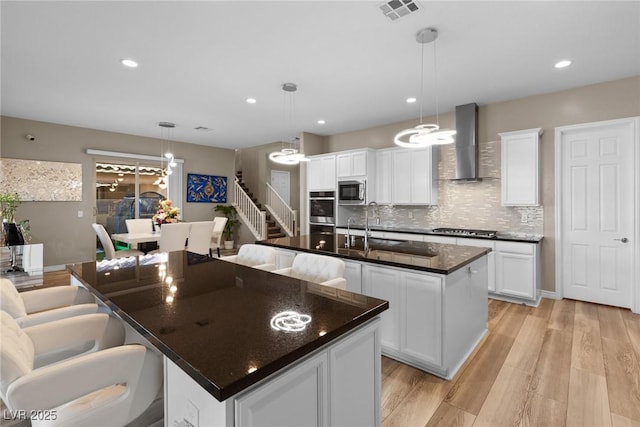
point(421, 82)
point(435, 78)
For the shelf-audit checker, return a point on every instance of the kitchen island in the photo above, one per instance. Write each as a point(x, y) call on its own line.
point(244, 346)
point(437, 293)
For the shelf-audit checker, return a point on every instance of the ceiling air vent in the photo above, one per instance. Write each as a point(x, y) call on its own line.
point(202, 128)
point(395, 9)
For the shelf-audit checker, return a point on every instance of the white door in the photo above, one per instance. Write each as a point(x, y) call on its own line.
point(280, 183)
point(597, 212)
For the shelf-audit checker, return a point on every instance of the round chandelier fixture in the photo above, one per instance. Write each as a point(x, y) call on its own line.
point(425, 135)
point(289, 155)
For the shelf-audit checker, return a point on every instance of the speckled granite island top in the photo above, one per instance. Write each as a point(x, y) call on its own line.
point(213, 318)
point(432, 257)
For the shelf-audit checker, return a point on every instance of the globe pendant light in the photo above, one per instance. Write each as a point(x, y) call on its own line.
point(288, 155)
point(425, 135)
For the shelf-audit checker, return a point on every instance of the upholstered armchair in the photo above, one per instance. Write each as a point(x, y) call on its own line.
point(322, 269)
point(44, 305)
point(256, 256)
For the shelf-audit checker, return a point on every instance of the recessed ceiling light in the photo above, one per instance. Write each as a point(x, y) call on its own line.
point(251, 101)
point(129, 63)
point(562, 64)
point(411, 100)
point(321, 122)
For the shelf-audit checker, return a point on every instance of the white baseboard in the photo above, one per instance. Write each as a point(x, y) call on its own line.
point(549, 295)
point(54, 268)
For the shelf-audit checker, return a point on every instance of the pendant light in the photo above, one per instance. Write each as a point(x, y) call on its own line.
point(162, 181)
point(289, 155)
point(426, 135)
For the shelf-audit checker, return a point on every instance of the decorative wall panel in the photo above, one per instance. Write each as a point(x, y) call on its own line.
point(37, 181)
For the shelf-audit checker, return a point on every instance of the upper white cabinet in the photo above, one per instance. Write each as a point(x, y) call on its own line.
point(321, 173)
point(384, 177)
point(521, 167)
point(407, 176)
point(353, 164)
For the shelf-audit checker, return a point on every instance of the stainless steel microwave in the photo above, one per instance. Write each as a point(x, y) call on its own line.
point(352, 192)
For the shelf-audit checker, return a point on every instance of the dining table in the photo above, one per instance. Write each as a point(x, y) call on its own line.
point(135, 238)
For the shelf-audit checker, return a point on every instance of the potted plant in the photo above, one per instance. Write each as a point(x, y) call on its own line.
point(229, 211)
point(8, 204)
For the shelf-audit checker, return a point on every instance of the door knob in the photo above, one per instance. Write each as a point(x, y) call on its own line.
point(623, 240)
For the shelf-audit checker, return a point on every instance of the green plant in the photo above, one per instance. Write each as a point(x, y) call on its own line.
point(228, 211)
point(8, 204)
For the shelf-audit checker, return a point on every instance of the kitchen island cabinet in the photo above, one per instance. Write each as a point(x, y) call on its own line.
point(228, 361)
point(437, 296)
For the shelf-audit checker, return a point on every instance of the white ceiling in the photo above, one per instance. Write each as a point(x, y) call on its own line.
point(354, 67)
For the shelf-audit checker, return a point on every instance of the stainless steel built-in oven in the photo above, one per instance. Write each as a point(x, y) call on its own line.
point(322, 211)
point(352, 193)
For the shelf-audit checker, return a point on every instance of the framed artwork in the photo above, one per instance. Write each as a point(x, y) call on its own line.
point(40, 181)
point(206, 188)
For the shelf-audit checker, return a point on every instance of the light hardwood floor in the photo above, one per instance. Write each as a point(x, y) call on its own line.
point(564, 363)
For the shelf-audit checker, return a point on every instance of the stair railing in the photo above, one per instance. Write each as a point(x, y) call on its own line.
point(253, 217)
point(281, 211)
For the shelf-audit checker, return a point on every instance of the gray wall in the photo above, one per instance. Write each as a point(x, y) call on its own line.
point(603, 101)
point(66, 237)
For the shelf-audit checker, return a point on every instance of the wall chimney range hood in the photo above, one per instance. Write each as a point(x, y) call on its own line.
point(467, 143)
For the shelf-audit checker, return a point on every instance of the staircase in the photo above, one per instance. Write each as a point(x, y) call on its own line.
point(273, 229)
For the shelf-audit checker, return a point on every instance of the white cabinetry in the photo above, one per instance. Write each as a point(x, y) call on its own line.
point(413, 180)
point(321, 173)
point(521, 167)
point(384, 177)
point(407, 176)
point(434, 321)
point(353, 276)
point(491, 257)
point(517, 269)
point(352, 164)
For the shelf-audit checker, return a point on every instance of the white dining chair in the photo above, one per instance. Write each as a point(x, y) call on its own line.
point(139, 225)
point(110, 250)
point(44, 305)
point(322, 269)
point(199, 241)
point(216, 235)
point(256, 256)
point(173, 237)
point(110, 384)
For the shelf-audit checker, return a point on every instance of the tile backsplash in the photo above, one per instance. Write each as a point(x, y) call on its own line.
point(463, 204)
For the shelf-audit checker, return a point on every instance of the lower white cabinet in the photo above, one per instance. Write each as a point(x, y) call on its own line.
point(434, 321)
point(421, 317)
point(491, 256)
point(338, 385)
point(383, 283)
point(353, 276)
point(517, 269)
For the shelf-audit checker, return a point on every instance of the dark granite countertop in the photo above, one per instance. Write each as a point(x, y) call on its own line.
point(216, 323)
point(432, 257)
point(507, 236)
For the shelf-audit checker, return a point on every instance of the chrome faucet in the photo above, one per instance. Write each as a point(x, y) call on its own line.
point(348, 242)
point(367, 229)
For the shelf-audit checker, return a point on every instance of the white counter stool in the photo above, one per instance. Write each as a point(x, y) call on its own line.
point(108, 385)
point(256, 256)
point(44, 305)
point(110, 250)
point(322, 269)
point(199, 241)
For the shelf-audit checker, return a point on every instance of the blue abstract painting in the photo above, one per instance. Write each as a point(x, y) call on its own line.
point(206, 188)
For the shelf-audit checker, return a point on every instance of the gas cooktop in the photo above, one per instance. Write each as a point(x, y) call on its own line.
point(490, 234)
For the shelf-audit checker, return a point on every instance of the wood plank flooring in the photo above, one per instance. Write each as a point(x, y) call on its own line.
point(565, 363)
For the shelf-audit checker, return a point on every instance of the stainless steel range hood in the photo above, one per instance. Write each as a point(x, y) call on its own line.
point(467, 142)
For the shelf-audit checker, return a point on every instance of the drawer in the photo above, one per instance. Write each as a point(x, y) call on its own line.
point(516, 248)
point(478, 243)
